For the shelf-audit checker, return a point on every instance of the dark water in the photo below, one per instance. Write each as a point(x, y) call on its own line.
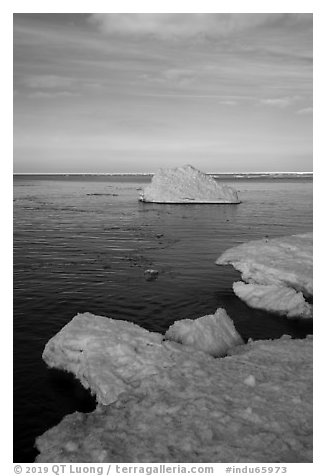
point(83, 243)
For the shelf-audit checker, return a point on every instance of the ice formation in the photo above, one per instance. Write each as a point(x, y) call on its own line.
point(187, 185)
point(109, 356)
point(214, 334)
point(106, 355)
point(172, 403)
point(278, 299)
point(279, 272)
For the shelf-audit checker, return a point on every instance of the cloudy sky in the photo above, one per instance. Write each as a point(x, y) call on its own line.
point(134, 92)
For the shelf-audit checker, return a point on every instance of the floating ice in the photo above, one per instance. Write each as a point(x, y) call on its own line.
point(187, 185)
point(172, 403)
point(214, 334)
point(151, 274)
point(279, 273)
point(279, 299)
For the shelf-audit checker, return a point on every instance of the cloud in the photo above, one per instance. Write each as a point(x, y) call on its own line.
point(128, 71)
point(179, 76)
point(228, 103)
point(47, 82)
point(50, 86)
point(305, 111)
point(278, 102)
point(52, 94)
point(186, 25)
point(173, 76)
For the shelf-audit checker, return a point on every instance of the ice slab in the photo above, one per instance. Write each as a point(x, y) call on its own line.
point(180, 404)
point(214, 334)
point(111, 356)
point(285, 262)
point(187, 185)
point(105, 354)
point(279, 299)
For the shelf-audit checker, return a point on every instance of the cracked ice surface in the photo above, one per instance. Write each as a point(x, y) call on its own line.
point(187, 185)
point(214, 334)
point(179, 404)
point(279, 272)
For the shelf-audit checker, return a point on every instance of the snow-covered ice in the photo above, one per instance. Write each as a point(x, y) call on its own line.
point(177, 404)
point(279, 271)
point(279, 299)
point(187, 185)
point(214, 333)
point(105, 354)
point(108, 356)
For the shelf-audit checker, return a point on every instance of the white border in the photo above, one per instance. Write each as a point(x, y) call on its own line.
point(168, 6)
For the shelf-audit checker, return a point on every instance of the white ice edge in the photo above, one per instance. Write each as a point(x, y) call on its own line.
point(278, 273)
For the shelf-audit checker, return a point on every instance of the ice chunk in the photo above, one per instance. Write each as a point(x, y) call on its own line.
point(279, 299)
point(180, 404)
point(187, 185)
point(105, 354)
point(109, 356)
point(285, 263)
point(151, 274)
point(214, 334)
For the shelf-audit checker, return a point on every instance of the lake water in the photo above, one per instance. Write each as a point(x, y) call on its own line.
point(83, 243)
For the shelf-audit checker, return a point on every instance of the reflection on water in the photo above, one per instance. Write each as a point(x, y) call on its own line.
point(83, 245)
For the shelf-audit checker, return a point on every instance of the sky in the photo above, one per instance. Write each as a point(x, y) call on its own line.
point(105, 93)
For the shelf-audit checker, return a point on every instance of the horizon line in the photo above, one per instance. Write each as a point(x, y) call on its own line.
point(152, 173)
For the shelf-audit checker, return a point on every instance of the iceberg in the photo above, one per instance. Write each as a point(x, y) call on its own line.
point(214, 333)
point(186, 185)
point(160, 401)
point(278, 273)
